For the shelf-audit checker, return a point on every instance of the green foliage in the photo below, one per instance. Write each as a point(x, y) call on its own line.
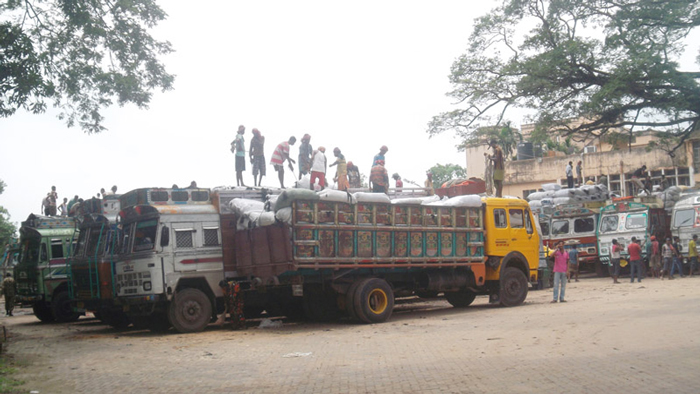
point(7, 228)
point(618, 140)
point(444, 173)
point(81, 55)
point(7, 383)
point(506, 136)
point(609, 64)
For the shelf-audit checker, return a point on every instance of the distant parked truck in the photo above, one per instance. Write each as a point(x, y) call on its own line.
point(41, 274)
point(625, 218)
point(573, 223)
point(331, 257)
point(685, 221)
point(91, 266)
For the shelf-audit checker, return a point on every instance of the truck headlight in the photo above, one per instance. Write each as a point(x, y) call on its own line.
point(147, 286)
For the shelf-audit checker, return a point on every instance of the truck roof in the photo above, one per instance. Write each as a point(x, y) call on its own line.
point(164, 196)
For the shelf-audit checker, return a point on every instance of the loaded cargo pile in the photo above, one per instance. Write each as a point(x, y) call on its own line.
point(553, 195)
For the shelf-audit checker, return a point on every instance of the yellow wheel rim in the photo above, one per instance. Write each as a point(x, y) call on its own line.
point(623, 263)
point(378, 301)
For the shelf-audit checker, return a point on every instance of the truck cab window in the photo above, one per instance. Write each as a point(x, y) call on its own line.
point(636, 220)
point(57, 249)
point(560, 227)
point(528, 223)
point(183, 238)
point(608, 224)
point(44, 252)
point(584, 225)
point(545, 228)
point(145, 235)
point(516, 218)
point(499, 218)
point(684, 218)
point(211, 236)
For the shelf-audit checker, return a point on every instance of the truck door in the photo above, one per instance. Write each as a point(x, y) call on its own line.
point(522, 234)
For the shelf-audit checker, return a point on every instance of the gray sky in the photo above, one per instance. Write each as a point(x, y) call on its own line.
point(355, 75)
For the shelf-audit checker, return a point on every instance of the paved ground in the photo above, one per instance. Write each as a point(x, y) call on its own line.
point(640, 338)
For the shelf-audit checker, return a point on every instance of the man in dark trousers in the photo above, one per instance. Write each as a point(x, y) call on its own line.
point(9, 289)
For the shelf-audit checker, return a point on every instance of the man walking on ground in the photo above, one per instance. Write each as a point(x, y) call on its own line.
point(280, 154)
point(379, 178)
point(9, 288)
point(341, 173)
point(654, 257)
point(615, 260)
point(238, 148)
point(635, 252)
point(573, 262)
point(498, 167)
point(693, 254)
point(676, 261)
point(561, 260)
point(667, 253)
point(318, 168)
point(257, 157)
point(305, 152)
point(570, 175)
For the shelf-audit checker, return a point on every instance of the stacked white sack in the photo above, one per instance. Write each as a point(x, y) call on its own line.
point(372, 197)
point(336, 195)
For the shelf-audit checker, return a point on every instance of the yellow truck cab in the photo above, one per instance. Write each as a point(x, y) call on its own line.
point(512, 248)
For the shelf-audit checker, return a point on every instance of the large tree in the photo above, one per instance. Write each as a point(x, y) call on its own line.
point(447, 172)
point(7, 228)
point(79, 55)
point(608, 63)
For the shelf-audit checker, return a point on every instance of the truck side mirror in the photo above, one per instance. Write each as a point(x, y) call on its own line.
point(164, 236)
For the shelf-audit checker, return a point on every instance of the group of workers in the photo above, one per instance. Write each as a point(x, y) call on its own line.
point(50, 206)
point(312, 162)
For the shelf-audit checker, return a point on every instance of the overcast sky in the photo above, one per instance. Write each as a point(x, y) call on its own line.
point(355, 75)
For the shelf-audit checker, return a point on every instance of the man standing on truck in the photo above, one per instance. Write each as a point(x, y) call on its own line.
point(561, 266)
point(637, 178)
point(354, 176)
point(498, 167)
point(635, 252)
point(579, 173)
point(281, 154)
point(238, 148)
point(9, 289)
point(318, 168)
point(257, 157)
point(305, 152)
point(570, 175)
point(379, 178)
point(341, 173)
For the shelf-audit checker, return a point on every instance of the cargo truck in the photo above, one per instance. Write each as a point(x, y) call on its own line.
point(330, 258)
point(575, 225)
point(42, 275)
point(685, 222)
point(91, 266)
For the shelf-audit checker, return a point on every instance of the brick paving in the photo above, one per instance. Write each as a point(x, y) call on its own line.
point(640, 338)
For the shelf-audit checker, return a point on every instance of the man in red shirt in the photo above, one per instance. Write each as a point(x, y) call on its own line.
point(635, 252)
point(561, 267)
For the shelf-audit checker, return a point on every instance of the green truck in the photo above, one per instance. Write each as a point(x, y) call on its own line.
point(41, 275)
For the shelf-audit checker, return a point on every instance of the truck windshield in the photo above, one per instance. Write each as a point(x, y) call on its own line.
point(145, 235)
point(560, 227)
point(80, 245)
point(683, 218)
point(608, 224)
point(30, 251)
point(544, 226)
point(635, 221)
point(584, 225)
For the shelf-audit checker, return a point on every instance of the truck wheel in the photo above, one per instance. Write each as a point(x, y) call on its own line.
point(42, 312)
point(513, 289)
point(350, 299)
point(190, 311)
point(319, 305)
point(62, 310)
point(115, 318)
point(460, 299)
point(373, 301)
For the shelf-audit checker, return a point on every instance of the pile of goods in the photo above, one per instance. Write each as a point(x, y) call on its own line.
point(553, 195)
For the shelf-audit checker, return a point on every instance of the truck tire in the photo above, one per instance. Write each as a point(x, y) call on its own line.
point(61, 308)
point(373, 301)
point(460, 299)
point(42, 312)
point(513, 287)
point(190, 310)
point(350, 300)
